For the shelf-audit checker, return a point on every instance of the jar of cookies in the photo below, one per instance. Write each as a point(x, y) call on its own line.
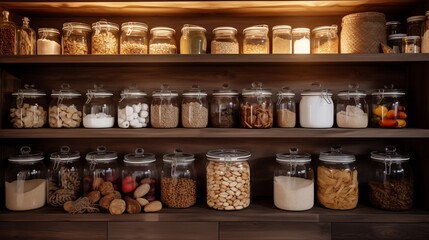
point(257, 107)
point(65, 108)
point(28, 108)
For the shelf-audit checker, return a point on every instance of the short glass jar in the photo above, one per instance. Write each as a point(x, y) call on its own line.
point(301, 40)
point(49, 41)
point(224, 41)
point(395, 42)
point(65, 108)
point(76, 38)
point(28, 108)
point(286, 108)
point(257, 107)
point(389, 108)
point(324, 40)
point(282, 39)
point(193, 40)
point(164, 109)
point(195, 110)
point(98, 110)
point(256, 40)
point(394, 27)
point(133, 39)
point(352, 108)
point(415, 25)
point(316, 109)
point(133, 109)
point(411, 44)
point(105, 38)
point(225, 108)
point(162, 41)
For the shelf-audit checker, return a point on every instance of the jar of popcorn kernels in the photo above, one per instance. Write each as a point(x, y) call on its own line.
point(28, 109)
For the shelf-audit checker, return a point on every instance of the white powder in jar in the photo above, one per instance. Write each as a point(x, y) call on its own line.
point(48, 47)
point(353, 117)
point(293, 193)
point(24, 195)
point(316, 111)
point(98, 120)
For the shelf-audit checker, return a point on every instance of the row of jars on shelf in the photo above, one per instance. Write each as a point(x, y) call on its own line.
point(29, 185)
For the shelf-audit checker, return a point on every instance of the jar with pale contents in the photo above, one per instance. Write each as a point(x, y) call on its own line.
point(195, 111)
point(28, 108)
point(225, 41)
point(133, 39)
point(76, 38)
point(193, 40)
point(133, 109)
point(324, 40)
point(162, 41)
point(65, 108)
point(98, 110)
point(256, 40)
point(316, 109)
point(105, 38)
point(282, 39)
point(286, 109)
point(352, 108)
point(301, 40)
point(164, 109)
point(49, 42)
point(257, 107)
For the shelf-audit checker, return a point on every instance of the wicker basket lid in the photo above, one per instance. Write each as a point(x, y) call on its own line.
point(365, 17)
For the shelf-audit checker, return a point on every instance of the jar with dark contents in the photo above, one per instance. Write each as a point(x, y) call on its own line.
point(389, 108)
point(394, 27)
point(225, 108)
point(415, 25)
point(395, 42)
point(257, 107)
point(7, 35)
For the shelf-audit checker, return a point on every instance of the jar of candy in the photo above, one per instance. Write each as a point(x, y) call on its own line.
point(28, 108)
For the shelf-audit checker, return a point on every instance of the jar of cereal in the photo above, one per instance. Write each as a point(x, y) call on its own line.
point(256, 40)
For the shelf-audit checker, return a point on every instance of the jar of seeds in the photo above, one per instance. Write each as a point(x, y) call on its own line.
point(164, 108)
point(225, 108)
point(65, 108)
point(133, 38)
point(195, 111)
point(105, 39)
point(256, 40)
point(224, 41)
point(257, 107)
point(162, 41)
point(76, 38)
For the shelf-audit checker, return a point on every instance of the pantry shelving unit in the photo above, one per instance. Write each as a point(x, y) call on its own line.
point(261, 220)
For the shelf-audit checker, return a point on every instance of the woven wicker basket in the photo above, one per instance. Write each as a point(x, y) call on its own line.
point(363, 32)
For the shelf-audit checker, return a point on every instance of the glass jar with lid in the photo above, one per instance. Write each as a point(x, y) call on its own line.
point(395, 42)
point(352, 108)
point(293, 181)
point(76, 38)
point(225, 108)
point(26, 38)
point(411, 44)
point(193, 40)
point(257, 107)
point(140, 169)
point(25, 181)
point(282, 39)
point(105, 37)
point(316, 109)
point(133, 39)
point(133, 109)
point(49, 42)
point(28, 108)
point(225, 41)
point(286, 109)
point(324, 40)
point(256, 40)
point(394, 27)
point(8, 35)
point(337, 180)
point(64, 177)
point(415, 25)
point(425, 34)
point(195, 111)
point(228, 179)
point(178, 180)
point(388, 108)
point(65, 108)
point(164, 109)
point(301, 40)
point(162, 41)
point(98, 110)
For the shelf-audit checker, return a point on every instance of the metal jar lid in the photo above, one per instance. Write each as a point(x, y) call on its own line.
point(389, 154)
point(26, 156)
point(28, 91)
point(139, 157)
point(316, 90)
point(293, 157)
point(228, 155)
point(65, 155)
point(101, 155)
point(178, 157)
point(336, 156)
point(257, 90)
point(419, 18)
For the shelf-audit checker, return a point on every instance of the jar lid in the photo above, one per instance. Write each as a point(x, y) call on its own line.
point(316, 90)
point(26, 156)
point(178, 157)
point(336, 156)
point(225, 29)
point(28, 90)
point(101, 155)
point(282, 27)
point(411, 38)
point(194, 91)
point(132, 91)
point(285, 92)
point(325, 28)
point(46, 31)
point(163, 30)
point(70, 26)
point(301, 30)
point(293, 156)
point(427, 13)
point(139, 156)
point(256, 90)
point(262, 27)
point(416, 18)
point(353, 91)
point(231, 155)
point(65, 91)
point(104, 24)
point(225, 91)
point(65, 154)
point(98, 91)
point(190, 27)
point(396, 36)
point(129, 26)
point(389, 154)
point(387, 90)
point(164, 91)
point(393, 23)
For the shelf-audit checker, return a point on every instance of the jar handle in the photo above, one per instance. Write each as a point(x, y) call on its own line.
point(139, 152)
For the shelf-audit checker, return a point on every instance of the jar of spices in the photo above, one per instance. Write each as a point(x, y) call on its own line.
point(411, 44)
point(256, 40)
point(178, 180)
point(105, 39)
point(293, 181)
point(98, 110)
point(228, 179)
point(388, 108)
point(25, 181)
point(195, 112)
point(224, 41)
point(257, 107)
point(324, 40)
point(301, 40)
point(133, 38)
point(395, 42)
point(162, 41)
point(64, 177)
point(425, 41)
point(193, 40)
point(282, 39)
point(49, 42)
point(7, 35)
point(286, 109)
point(28, 108)
point(394, 27)
point(316, 109)
point(225, 108)
point(133, 109)
point(352, 109)
point(65, 108)
point(415, 25)
point(337, 180)
point(391, 181)
point(76, 38)
point(164, 109)
point(26, 38)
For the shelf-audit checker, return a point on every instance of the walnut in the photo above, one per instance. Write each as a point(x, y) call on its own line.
point(106, 201)
point(94, 196)
point(133, 206)
point(117, 207)
point(106, 188)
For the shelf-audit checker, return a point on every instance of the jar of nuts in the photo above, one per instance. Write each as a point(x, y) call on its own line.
point(105, 39)
point(28, 109)
point(76, 38)
point(225, 41)
point(133, 38)
point(195, 112)
point(286, 109)
point(256, 40)
point(164, 108)
point(162, 41)
point(225, 108)
point(98, 110)
point(133, 109)
point(228, 179)
point(65, 108)
point(257, 107)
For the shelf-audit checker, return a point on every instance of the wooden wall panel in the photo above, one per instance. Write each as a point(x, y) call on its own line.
point(380, 231)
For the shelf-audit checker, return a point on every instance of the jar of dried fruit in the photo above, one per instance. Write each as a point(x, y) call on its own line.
point(225, 108)
point(65, 108)
point(257, 107)
point(162, 41)
point(133, 38)
point(388, 108)
point(195, 112)
point(76, 38)
point(256, 40)
point(28, 108)
point(105, 39)
point(352, 109)
point(286, 109)
point(164, 109)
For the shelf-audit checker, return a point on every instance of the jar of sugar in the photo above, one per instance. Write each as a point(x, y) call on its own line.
point(49, 42)
point(133, 109)
point(352, 108)
point(316, 109)
point(98, 110)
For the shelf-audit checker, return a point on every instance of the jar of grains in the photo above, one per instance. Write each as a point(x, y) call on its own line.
point(389, 108)
point(316, 109)
point(228, 179)
point(395, 42)
point(98, 110)
point(26, 38)
point(133, 39)
point(225, 41)
point(415, 25)
point(425, 34)
point(105, 38)
point(257, 107)
point(64, 177)
point(25, 181)
point(394, 27)
point(7, 35)
point(411, 44)
point(324, 40)
point(293, 181)
point(195, 112)
point(337, 180)
point(49, 42)
point(164, 109)
point(193, 40)
point(282, 39)
point(162, 41)
point(301, 40)
point(65, 108)
point(225, 108)
point(28, 108)
point(133, 109)
point(286, 109)
point(178, 180)
point(256, 40)
point(76, 38)
point(140, 176)
point(352, 109)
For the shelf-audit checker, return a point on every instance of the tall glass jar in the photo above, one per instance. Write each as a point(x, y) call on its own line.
point(257, 107)
point(225, 41)
point(256, 40)
point(225, 108)
point(98, 110)
point(415, 25)
point(293, 181)
point(164, 109)
point(26, 38)
point(178, 180)
point(228, 179)
point(193, 40)
point(64, 177)
point(301, 40)
point(105, 39)
point(195, 110)
point(352, 109)
point(49, 42)
point(133, 109)
point(286, 109)
point(162, 41)
point(425, 34)
point(76, 38)
point(8, 35)
point(282, 39)
point(133, 38)
point(316, 109)
point(388, 108)
point(28, 109)
point(65, 108)
point(25, 181)
point(324, 40)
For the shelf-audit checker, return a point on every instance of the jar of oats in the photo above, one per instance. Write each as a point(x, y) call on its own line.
point(65, 109)
point(105, 39)
point(162, 41)
point(164, 109)
point(28, 109)
point(256, 40)
point(286, 109)
point(225, 41)
point(195, 111)
point(76, 38)
point(133, 38)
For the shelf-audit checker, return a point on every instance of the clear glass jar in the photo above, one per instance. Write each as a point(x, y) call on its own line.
point(178, 180)
point(415, 25)
point(394, 27)
point(25, 181)
point(65, 108)
point(301, 40)
point(388, 108)
point(228, 179)
point(225, 41)
point(225, 108)
point(293, 181)
point(257, 107)
point(425, 33)
point(256, 40)
point(316, 108)
point(8, 35)
point(337, 180)
point(133, 39)
point(164, 109)
point(105, 39)
point(28, 108)
point(282, 39)
point(26, 38)
point(133, 109)
point(324, 40)
point(193, 40)
point(395, 42)
point(140, 169)
point(195, 110)
point(49, 42)
point(162, 41)
point(76, 38)
point(98, 110)
point(286, 108)
point(411, 44)
point(64, 177)
point(391, 181)
point(352, 108)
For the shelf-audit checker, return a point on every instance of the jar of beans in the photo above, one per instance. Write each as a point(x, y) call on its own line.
point(28, 108)
point(225, 108)
point(164, 108)
point(257, 107)
point(65, 109)
point(195, 111)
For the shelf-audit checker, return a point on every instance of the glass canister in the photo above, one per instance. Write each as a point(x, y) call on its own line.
point(133, 39)
point(282, 39)
point(98, 110)
point(256, 108)
point(8, 35)
point(225, 108)
point(286, 108)
point(425, 33)
point(228, 179)
point(164, 109)
point(133, 109)
point(225, 41)
point(316, 109)
point(195, 112)
point(394, 27)
point(76, 38)
point(301, 40)
point(49, 41)
point(395, 42)
point(105, 39)
point(415, 25)
point(65, 108)
point(352, 108)
point(388, 108)
point(140, 172)
point(193, 40)
point(324, 40)
point(178, 180)
point(25, 181)
point(391, 183)
point(256, 40)
point(411, 44)
point(162, 41)
point(64, 177)
point(28, 109)
point(337, 180)
point(293, 181)
point(26, 38)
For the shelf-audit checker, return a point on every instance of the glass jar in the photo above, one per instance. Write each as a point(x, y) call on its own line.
point(162, 41)
point(391, 182)
point(286, 109)
point(178, 180)
point(411, 44)
point(293, 181)
point(28, 109)
point(324, 40)
point(98, 110)
point(337, 180)
point(301, 40)
point(256, 108)
point(65, 108)
point(282, 39)
point(425, 29)
point(26, 38)
point(228, 179)
point(193, 40)
point(140, 169)
point(76, 38)
point(225, 108)
point(395, 42)
point(104, 39)
point(415, 25)
point(352, 109)
point(195, 112)
point(64, 177)
point(49, 41)
point(394, 27)
point(389, 108)
point(164, 109)
point(316, 109)
point(7, 35)
point(256, 40)
point(133, 109)
point(133, 38)
point(225, 41)
point(25, 181)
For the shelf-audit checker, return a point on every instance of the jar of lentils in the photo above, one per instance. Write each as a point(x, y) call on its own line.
point(225, 41)
point(105, 37)
point(162, 41)
point(133, 39)
point(195, 112)
point(225, 108)
point(65, 108)
point(164, 109)
point(28, 109)
point(257, 107)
